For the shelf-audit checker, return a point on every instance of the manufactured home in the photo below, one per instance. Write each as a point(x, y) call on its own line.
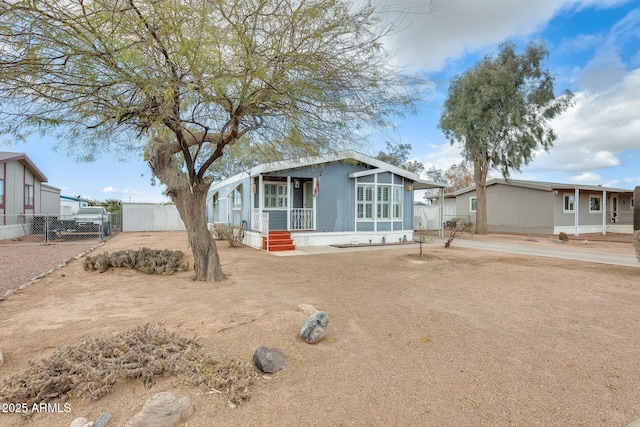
point(341, 198)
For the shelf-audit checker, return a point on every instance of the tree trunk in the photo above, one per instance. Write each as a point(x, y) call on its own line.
point(480, 176)
point(190, 197)
point(192, 208)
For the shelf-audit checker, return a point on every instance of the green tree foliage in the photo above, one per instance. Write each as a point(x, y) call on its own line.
point(398, 155)
point(112, 205)
point(184, 80)
point(499, 112)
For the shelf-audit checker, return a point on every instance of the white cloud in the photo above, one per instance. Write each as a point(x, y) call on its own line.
point(456, 27)
point(109, 190)
point(600, 125)
point(586, 178)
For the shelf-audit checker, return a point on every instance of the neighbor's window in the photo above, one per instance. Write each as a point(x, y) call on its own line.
point(473, 204)
point(632, 203)
point(215, 201)
point(28, 196)
point(2, 193)
point(569, 203)
point(364, 199)
point(397, 202)
point(595, 204)
point(237, 197)
point(384, 202)
point(275, 196)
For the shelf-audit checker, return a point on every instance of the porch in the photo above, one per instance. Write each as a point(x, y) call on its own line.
point(283, 203)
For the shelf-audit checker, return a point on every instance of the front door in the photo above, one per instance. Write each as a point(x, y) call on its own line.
point(307, 194)
point(614, 209)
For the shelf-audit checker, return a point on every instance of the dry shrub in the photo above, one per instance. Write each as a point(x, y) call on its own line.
point(563, 236)
point(636, 243)
point(459, 226)
point(234, 234)
point(149, 261)
point(91, 368)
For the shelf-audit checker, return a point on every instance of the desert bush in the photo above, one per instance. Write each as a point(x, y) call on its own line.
point(461, 225)
point(234, 234)
point(149, 261)
point(92, 367)
point(563, 236)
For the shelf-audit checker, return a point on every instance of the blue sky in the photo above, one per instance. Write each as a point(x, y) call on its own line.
point(594, 51)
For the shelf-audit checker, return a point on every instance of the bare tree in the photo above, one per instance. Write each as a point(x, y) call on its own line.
point(184, 80)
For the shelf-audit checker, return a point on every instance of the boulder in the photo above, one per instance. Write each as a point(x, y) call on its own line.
point(102, 419)
point(81, 422)
point(315, 327)
point(269, 360)
point(163, 410)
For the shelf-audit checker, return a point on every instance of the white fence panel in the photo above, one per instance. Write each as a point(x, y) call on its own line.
point(150, 217)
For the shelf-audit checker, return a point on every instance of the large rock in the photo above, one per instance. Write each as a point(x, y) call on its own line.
point(1, 358)
point(163, 410)
point(81, 422)
point(315, 327)
point(269, 360)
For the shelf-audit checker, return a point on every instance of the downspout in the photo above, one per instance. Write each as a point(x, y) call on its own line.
point(604, 212)
point(576, 209)
point(288, 202)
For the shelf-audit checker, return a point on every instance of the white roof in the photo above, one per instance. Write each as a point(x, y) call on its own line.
point(419, 184)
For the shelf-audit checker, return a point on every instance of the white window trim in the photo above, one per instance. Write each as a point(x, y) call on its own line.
point(375, 203)
point(285, 195)
point(236, 207)
point(399, 203)
point(381, 203)
point(471, 204)
point(564, 196)
point(593, 196)
point(365, 203)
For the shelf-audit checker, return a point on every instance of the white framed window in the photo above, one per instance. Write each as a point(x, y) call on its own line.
point(397, 202)
point(28, 196)
point(595, 204)
point(568, 203)
point(275, 196)
point(364, 200)
point(473, 204)
point(237, 197)
point(214, 201)
point(384, 202)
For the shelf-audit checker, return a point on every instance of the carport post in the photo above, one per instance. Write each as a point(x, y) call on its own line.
point(441, 229)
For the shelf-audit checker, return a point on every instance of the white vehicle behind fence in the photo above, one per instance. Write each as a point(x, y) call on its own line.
point(93, 218)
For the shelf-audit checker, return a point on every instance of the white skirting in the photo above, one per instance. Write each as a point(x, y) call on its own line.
point(305, 238)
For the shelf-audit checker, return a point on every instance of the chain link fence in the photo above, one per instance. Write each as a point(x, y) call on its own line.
point(34, 228)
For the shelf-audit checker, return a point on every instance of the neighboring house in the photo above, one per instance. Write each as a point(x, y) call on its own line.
point(23, 194)
point(342, 198)
point(70, 205)
point(550, 208)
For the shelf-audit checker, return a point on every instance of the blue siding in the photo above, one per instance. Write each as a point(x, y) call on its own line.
point(365, 226)
point(277, 219)
point(384, 178)
point(384, 226)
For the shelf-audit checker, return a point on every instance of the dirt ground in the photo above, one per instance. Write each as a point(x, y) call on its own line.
point(459, 337)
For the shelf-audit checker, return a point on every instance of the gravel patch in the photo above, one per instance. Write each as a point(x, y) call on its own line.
point(20, 264)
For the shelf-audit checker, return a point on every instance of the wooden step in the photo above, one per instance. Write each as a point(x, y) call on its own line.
point(279, 240)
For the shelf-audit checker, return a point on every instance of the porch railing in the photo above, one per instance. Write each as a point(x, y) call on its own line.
point(256, 220)
point(302, 219)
